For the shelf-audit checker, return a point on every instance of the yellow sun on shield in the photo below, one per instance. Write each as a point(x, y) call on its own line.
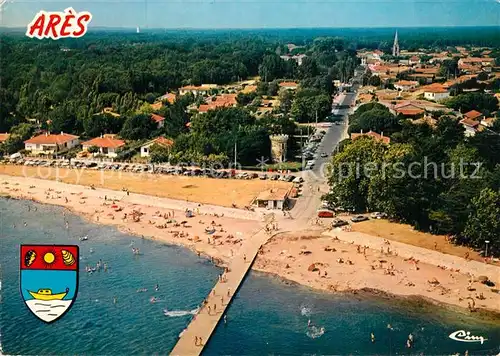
point(49, 258)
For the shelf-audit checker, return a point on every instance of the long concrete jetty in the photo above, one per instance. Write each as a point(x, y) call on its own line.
point(203, 324)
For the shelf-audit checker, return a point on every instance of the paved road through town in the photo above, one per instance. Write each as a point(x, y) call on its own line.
point(315, 179)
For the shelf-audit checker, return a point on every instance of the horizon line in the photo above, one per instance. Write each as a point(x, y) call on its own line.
point(268, 28)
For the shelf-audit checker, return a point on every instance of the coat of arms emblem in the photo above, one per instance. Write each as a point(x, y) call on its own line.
point(49, 279)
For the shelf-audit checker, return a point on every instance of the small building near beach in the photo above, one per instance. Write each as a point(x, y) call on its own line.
point(107, 145)
point(274, 198)
point(48, 143)
point(162, 141)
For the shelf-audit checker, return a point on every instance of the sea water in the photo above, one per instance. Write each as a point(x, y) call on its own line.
point(95, 325)
point(267, 316)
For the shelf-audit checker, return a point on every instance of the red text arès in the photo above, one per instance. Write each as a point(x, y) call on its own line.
point(55, 25)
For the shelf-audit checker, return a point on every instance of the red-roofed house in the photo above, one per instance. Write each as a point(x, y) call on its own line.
point(49, 143)
point(409, 110)
point(473, 115)
point(169, 97)
point(160, 120)
point(4, 137)
point(374, 135)
point(471, 126)
point(436, 92)
point(162, 141)
point(288, 85)
point(220, 101)
point(406, 85)
point(414, 60)
point(107, 145)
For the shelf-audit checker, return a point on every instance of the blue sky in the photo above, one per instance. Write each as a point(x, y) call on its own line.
point(266, 13)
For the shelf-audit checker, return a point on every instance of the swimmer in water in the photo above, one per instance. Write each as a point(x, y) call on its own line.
point(114, 300)
point(309, 323)
point(153, 300)
point(157, 287)
point(372, 337)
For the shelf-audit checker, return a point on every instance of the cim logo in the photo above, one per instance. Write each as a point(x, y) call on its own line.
point(56, 25)
point(465, 336)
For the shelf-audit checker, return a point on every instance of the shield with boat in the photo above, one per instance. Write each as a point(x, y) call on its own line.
point(49, 279)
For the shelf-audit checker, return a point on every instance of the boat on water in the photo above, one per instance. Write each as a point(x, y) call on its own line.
point(84, 238)
point(46, 294)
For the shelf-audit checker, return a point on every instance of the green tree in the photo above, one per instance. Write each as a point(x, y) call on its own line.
point(138, 127)
point(375, 81)
point(483, 223)
point(473, 101)
point(286, 99)
point(93, 149)
point(159, 153)
point(348, 179)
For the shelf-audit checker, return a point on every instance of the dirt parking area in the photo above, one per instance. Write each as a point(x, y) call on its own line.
point(222, 192)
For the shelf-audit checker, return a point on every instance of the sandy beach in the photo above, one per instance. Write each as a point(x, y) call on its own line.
point(325, 260)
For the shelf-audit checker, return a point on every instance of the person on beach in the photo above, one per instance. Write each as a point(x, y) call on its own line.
point(222, 300)
point(244, 258)
point(228, 292)
point(215, 308)
point(196, 341)
point(209, 309)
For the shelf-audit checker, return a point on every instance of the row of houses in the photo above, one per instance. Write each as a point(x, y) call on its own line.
point(106, 145)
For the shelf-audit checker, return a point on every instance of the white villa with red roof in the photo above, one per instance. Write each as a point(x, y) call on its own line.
point(159, 120)
point(49, 143)
point(436, 92)
point(107, 145)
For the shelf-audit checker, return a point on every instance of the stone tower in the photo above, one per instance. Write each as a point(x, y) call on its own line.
point(395, 46)
point(278, 147)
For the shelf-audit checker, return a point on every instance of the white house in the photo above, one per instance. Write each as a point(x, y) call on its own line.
point(298, 58)
point(405, 85)
point(275, 198)
point(203, 89)
point(162, 141)
point(49, 143)
point(159, 120)
point(107, 145)
point(436, 93)
point(471, 126)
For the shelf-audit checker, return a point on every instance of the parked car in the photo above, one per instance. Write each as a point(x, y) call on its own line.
point(325, 213)
point(298, 180)
point(324, 154)
point(275, 177)
point(339, 223)
point(378, 215)
point(359, 218)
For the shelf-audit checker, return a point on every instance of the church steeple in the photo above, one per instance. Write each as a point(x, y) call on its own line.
point(395, 46)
